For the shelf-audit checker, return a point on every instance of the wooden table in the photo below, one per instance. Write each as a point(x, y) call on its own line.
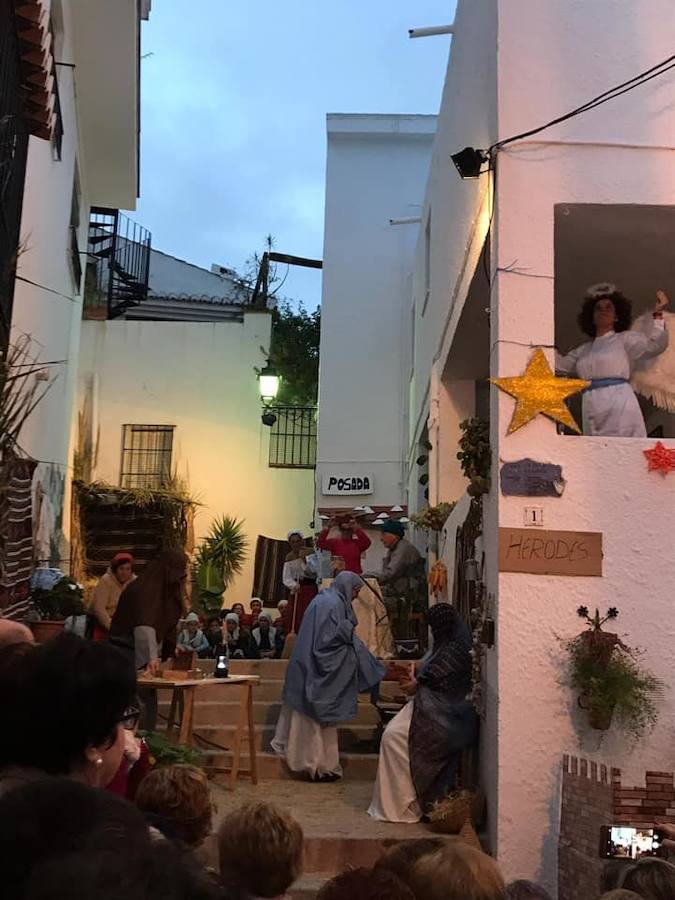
point(183, 695)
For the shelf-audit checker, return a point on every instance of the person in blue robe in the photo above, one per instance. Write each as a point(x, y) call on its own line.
point(329, 667)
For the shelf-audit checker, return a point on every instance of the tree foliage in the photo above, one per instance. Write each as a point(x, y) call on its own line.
point(294, 352)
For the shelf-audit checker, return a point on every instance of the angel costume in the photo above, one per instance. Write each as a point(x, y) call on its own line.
point(610, 407)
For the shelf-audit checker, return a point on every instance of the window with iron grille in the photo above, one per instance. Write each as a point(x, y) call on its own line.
point(146, 456)
point(293, 438)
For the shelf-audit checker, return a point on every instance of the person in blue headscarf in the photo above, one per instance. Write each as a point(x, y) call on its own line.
point(421, 746)
point(327, 670)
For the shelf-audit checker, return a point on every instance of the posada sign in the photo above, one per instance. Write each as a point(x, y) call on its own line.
point(342, 485)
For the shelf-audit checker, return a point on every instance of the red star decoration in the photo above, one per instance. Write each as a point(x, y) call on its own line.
point(660, 459)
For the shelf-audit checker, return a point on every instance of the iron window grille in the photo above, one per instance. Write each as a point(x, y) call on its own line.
point(146, 456)
point(293, 438)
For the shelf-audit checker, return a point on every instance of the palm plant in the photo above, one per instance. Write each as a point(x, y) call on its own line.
point(220, 557)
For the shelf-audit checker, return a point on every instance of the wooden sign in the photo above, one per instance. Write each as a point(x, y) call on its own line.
point(528, 478)
point(550, 552)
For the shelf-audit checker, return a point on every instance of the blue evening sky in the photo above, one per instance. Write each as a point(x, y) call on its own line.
point(234, 99)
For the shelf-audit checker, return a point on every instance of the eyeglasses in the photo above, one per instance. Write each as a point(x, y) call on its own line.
point(130, 717)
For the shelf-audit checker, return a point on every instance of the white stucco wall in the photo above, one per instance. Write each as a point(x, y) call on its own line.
point(621, 153)
point(200, 378)
point(376, 170)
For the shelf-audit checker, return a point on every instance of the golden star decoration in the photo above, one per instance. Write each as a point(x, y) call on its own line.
point(660, 459)
point(539, 391)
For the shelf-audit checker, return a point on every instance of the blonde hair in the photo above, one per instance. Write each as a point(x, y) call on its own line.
point(179, 795)
point(260, 849)
point(457, 872)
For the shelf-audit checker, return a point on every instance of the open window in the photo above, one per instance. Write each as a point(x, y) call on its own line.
point(629, 247)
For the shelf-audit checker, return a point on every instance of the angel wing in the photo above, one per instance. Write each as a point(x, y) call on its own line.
point(655, 378)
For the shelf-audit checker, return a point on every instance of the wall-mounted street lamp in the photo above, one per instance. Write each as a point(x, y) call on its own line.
point(268, 385)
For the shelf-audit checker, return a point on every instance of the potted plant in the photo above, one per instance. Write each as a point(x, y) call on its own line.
point(54, 605)
point(219, 558)
point(165, 752)
point(611, 685)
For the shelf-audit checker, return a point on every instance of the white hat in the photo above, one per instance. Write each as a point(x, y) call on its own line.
point(295, 531)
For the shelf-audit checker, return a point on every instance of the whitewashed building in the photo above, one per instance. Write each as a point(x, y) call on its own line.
point(500, 268)
point(376, 170)
point(170, 388)
point(83, 58)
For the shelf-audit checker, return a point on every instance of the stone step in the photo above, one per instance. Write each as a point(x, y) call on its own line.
point(348, 735)
point(356, 766)
point(219, 712)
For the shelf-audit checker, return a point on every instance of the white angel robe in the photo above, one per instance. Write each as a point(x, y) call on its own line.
point(613, 410)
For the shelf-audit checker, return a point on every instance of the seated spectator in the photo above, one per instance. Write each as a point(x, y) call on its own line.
point(401, 858)
point(52, 818)
point(214, 635)
point(14, 633)
point(156, 872)
point(652, 879)
point(256, 609)
point(176, 801)
point(65, 707)
point(244, 617)
point(526, 890)
point(136, 763)
point(191, 637)
point(260, 849)
point(237, 639)
point(365, 884)
point(281, 607)
point(458, 872)
point(266, 637)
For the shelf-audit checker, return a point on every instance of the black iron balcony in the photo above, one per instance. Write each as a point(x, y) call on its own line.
point(118, 264)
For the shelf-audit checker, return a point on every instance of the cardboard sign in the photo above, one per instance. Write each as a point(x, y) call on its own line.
point(338, 484)
point(528, 478)
point(550, 552)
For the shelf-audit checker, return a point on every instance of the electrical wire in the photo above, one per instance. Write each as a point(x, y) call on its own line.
point(605, 97)
point(44, 287)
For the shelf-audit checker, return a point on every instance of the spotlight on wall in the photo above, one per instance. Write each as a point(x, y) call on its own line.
point(469, 161)
point(268, 418)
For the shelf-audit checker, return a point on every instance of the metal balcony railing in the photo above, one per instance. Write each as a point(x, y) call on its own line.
point(293, 438)
point(118, 264)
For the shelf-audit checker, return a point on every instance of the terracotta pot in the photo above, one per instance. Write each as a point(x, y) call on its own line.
point(598, 719)
point(45, 629)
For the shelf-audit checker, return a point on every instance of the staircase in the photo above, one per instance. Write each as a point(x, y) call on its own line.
point(216, 714)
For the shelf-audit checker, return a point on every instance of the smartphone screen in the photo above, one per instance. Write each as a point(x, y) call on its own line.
point(624, 842)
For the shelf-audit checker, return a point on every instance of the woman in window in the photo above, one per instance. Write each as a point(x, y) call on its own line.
point(610, 407)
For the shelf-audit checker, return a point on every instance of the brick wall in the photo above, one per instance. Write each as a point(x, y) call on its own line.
point(593, 796)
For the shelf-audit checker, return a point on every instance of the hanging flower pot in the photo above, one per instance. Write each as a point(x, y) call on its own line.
point(599, 716)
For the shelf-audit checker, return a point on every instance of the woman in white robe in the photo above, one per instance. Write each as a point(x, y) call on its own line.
point(610, 407)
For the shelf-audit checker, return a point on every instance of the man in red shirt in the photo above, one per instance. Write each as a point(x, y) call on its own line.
point(353, 542)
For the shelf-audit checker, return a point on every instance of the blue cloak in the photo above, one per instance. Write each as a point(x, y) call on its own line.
point(330, 665)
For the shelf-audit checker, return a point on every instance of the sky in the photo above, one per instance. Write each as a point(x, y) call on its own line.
point(234, 99)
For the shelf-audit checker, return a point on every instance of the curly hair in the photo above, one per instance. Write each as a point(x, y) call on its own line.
point(622, 307)
point(178, 796)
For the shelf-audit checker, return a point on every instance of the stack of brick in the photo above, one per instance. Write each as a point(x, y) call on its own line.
point(592, 797)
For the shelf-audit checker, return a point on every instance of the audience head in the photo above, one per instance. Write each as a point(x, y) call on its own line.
point(256, 605)
point(337, 565)
point(64, 706)
point(401, 858)
point(177, 802)
point(296, 541)
point(155, 872)
point(238, 609)
point(365, 884)
point(260, 849)
point(652, 879)
point(457, 872)
point(391, 533)
point(54, 817)
point(213, 625)
point(231, 622)
point(281, 606)
point(122, 567)
point(264, 621)
point(526, 890)
point(14, 633)
point(192, 624)
point(620, 894)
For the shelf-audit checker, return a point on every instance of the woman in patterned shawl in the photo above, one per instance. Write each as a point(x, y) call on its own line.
point(421, 745)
